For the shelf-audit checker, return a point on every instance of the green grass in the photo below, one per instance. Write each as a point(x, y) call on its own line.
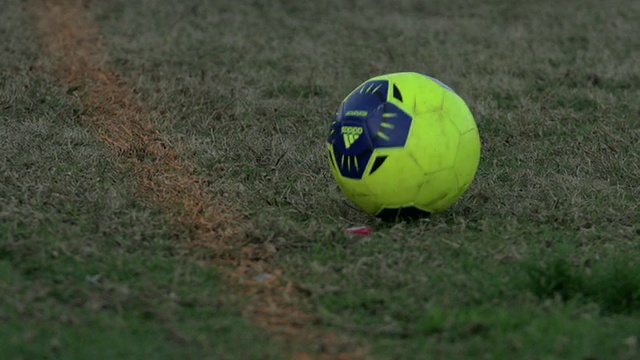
point(86, 271)
point(538, 260)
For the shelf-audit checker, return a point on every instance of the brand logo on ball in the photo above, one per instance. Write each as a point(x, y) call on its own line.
point(362, 113)
point(350, 135)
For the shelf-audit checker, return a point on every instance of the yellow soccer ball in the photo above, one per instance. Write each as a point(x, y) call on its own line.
point(403, 145)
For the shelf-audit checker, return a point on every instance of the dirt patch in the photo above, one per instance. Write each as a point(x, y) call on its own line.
point(166, 180)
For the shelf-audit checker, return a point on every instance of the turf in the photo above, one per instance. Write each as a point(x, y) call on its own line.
point(538, 260)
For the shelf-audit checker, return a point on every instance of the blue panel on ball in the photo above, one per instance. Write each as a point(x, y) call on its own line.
point(352, 166)
point(364, 122)
point(389, 126)
point(366, 97)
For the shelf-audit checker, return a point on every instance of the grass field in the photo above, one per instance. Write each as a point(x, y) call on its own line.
point(538, 260)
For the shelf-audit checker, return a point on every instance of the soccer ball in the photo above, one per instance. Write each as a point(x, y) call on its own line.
point(403, 145)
